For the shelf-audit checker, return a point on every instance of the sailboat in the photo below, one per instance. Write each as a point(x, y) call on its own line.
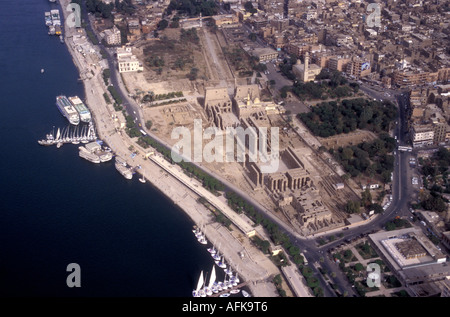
point(234, 280)
point(216, 256)
point(202, 239)
point(212, 279)
point(142, 179)
point(58, 134)
point(196, 292)
point(221, 263)
point(74, 137)
point(202, 291)
point(212, 250)
point(228, 271)
point(226, 283)
point(84, 138)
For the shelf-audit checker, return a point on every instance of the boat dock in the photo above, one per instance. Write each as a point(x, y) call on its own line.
point(70, 134)
point(239, 286)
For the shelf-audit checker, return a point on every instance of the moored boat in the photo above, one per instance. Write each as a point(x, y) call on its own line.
point(123, 169)
point(80, 107)
point(221, 263)
point(196, 291)
point(87, 155)
point(202, 239)
point(67, 110)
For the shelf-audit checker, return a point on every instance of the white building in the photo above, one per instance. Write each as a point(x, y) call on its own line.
point(127, 62)
point(422, 135)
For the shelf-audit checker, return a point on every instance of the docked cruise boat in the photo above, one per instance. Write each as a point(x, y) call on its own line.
point(122, 168)
point(80, 107)
point(67, 110)
point(88, 155)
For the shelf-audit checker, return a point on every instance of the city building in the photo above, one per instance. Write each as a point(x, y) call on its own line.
point(306, 72)
point(264, 54)
point(414, 259)
point(422, 135)
point(112, 36)
point(127, 62)
point(358, 67)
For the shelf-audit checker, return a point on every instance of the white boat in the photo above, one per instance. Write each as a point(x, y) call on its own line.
point(121, 166)
point(216, 256)
point(202, 239)
point(212, 279)
point(42, 70)
point(142, 179)
point(215, 288)
point(226, 283)
point(196, 231)
point(212, 250)
point(58, 134)
point(246, 294)
point(221, 263)
point(84, 153)
point(48, 18)
point(80, 107)
point(224, 295)
point(235, 291)
point(196, 292)
point(67, 110)
point(228, 271)
point(104, 156)
point(235, 279)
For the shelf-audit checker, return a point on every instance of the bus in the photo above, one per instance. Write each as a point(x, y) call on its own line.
point(405, 148)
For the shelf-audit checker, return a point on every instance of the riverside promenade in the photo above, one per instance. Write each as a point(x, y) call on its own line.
point(255, 268)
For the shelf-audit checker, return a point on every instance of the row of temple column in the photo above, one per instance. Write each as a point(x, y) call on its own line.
point(281, 182)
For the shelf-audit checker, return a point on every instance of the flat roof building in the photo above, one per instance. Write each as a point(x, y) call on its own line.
point(264, 54)
point(415, 260)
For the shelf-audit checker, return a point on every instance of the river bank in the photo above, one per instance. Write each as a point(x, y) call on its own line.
point(255, 268)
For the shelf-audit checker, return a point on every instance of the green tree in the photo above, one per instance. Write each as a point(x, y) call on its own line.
point(358, 267)
point(352, 207)
point(162, 24)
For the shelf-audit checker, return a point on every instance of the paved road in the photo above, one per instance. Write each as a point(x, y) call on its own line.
point(313, 253)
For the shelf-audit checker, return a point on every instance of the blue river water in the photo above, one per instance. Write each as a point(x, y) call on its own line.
point(57, 208)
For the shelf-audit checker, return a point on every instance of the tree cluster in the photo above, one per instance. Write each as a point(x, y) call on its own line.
point(368, 158)
point(435, 172)
point(189, 35)
point(193, 8)
point(99, 8)
point(331, 118)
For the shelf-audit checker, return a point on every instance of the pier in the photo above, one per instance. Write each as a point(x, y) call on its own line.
point(70, 135)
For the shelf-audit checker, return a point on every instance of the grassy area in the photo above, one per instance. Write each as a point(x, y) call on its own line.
point(345, 256)
point(366, 251)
